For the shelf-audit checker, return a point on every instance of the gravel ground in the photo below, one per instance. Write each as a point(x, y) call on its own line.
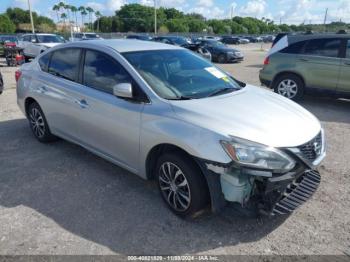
point(60, 199)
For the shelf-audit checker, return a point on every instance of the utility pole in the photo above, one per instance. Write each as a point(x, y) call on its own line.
point(231, 12)
point(280, 20)
point(155, 17)
point(325, 19)
point(31, 17)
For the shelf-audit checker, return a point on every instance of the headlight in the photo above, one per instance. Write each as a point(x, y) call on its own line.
point(230, 53)
point(250, 154)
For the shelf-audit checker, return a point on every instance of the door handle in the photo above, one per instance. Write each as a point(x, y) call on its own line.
point(347, 63)
point(303, 59)
point(82, 103)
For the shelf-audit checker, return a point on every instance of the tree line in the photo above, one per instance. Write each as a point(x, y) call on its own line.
point(139, 18)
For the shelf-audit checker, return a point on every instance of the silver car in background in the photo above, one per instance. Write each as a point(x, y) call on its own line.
point(164, 113)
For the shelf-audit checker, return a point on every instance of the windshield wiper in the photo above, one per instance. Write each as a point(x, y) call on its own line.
point(181, 98)
point(221, 91)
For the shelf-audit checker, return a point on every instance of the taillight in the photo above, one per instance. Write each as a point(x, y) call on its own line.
point(18, 75)
point(267, 61)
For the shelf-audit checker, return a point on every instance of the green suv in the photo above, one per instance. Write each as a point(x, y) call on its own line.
point(309, 64)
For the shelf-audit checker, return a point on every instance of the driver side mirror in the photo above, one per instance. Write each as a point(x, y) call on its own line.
point(123, 90)
point(33, 41)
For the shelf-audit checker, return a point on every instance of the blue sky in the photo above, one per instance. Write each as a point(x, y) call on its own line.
point(288, 11)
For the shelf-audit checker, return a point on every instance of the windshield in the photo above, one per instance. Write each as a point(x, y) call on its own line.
point(179, 40)
point(180, 74)
point(215, 43)
point(49, 39)
point(92, 36)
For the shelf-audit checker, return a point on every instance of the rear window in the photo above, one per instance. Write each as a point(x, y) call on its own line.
point(323, 47)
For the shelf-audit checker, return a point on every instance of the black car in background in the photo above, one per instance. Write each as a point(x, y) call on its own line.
point(185, 43)
point(140, 37)
point(254, 39)
point(173, 40)
point(230, 40)
point(220, 52)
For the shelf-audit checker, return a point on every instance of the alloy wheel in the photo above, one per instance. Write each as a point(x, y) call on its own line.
point(37, 122)
point(174, 186)
point(288, 88)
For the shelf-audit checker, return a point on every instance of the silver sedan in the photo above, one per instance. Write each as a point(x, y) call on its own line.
point(164, 113)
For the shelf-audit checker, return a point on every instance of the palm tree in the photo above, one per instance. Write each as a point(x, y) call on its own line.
point(90, 11)
point(74, 10)
point(67, 8)
point(56, 8)
point(64, 17)
point(98, 16)
point(83, 14)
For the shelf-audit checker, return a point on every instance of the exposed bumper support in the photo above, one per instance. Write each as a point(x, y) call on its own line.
point(267, 193)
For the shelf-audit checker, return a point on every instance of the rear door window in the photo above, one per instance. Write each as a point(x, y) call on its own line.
point(323, 47)
point(102, 72)
point(65, 63)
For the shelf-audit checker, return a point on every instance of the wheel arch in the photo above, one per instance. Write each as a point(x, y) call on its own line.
point(27, 102)
point(156, 151)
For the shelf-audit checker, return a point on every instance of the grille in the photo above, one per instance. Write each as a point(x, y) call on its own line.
point(298, 192)
point(308, 149)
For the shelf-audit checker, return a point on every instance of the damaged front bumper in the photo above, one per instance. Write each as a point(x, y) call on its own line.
point(262, 191)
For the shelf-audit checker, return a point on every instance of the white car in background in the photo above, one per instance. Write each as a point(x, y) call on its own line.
point(35, 44)
point(84, 36)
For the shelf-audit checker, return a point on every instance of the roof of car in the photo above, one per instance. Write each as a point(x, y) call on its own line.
point(300, 37)
point(128, 45)
point(38, 34)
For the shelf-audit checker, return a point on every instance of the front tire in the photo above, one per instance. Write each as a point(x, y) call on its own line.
point(290, 86)
point(38, 124)
point(221, 58)
point(182, 185)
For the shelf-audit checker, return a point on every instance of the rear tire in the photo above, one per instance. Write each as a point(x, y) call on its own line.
point(290, 86)
point(38, 124)
point(182, 184)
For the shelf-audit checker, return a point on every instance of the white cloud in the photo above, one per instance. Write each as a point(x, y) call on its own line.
point(205, 3)
point(113, 5)
point(214, 12)
point(96, 6)
point(164, 3)
point(254, 8)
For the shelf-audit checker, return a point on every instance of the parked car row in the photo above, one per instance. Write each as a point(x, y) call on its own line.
point(165, 114)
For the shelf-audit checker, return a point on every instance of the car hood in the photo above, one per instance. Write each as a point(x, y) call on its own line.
point(49, 45)
point(251, 113)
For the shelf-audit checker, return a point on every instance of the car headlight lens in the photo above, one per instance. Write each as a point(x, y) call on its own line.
point(230, 53)
point(255, 155)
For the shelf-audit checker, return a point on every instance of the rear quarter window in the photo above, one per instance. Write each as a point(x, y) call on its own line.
point(44, 62)
point(295, 48)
